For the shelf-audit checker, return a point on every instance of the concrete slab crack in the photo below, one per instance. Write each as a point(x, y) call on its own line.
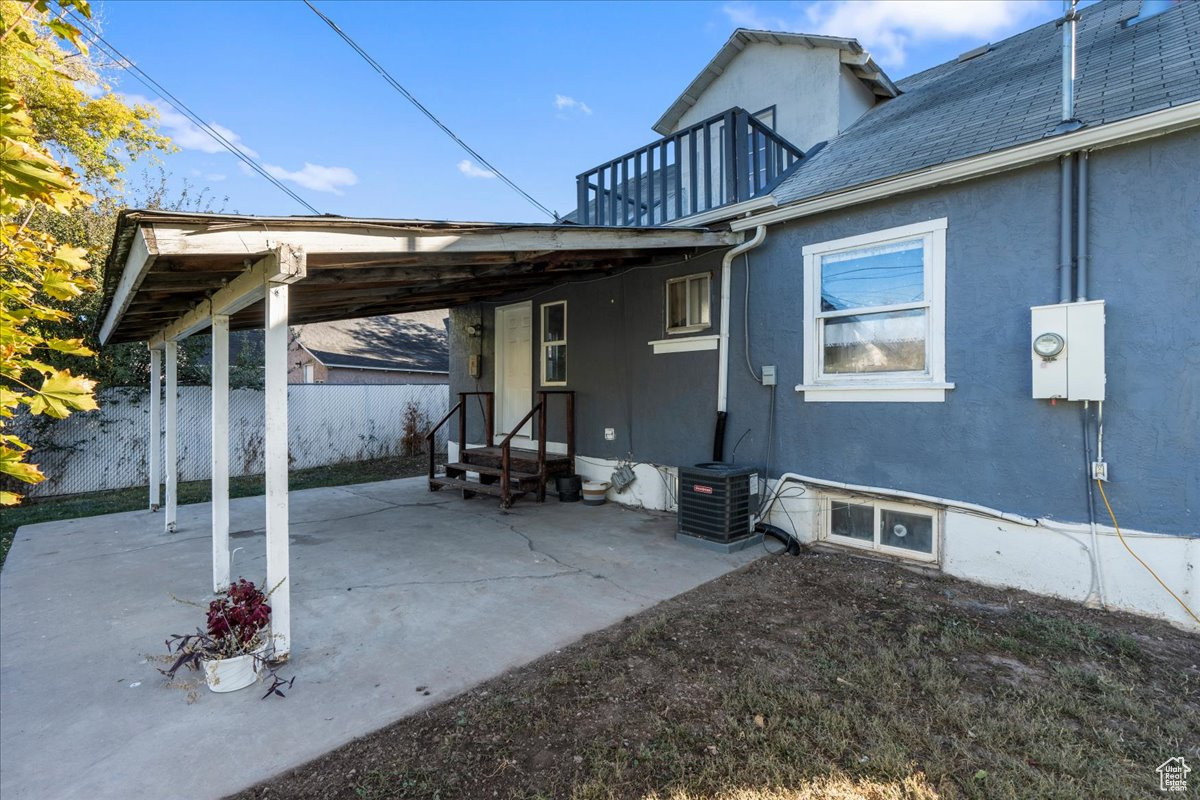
point(463, 582)
point(533, 549)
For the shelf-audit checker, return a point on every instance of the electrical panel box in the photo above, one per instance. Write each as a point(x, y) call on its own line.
point(768, 376)
point(474, 367)
point(1067, 351)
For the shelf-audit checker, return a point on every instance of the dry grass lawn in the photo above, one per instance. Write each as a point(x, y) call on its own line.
point(818, 676)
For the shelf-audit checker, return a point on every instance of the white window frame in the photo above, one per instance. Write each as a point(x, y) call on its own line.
point(309, 373)
point(875, 546)
point(546, 345)
point(687, 298)
point(927, 387)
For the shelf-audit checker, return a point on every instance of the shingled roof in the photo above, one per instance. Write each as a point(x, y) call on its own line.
point(1010, 94)
point(413, 342)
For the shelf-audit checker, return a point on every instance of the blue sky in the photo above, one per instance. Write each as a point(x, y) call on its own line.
point(543, 90)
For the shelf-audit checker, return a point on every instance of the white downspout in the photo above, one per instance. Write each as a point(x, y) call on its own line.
point(760, 235)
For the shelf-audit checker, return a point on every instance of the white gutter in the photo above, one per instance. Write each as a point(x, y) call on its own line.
point(723, 343)
point(1156, 123)
point(921, 498)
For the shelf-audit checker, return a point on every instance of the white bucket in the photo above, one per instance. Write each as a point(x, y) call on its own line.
point(231, 674)
point(594, 492)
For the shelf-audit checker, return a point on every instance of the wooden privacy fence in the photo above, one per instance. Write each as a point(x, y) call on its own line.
point(327, 424)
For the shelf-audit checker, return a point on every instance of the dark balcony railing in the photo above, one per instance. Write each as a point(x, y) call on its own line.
point(723, 160)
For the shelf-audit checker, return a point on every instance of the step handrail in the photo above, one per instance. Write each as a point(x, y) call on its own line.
point(460, 408)
point(506, 453)
point(540, 409)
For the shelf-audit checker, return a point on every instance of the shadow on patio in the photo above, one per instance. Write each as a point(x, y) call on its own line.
point(393, 588)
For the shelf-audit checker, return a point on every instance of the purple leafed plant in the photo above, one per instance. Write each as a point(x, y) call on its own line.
point(237, 625)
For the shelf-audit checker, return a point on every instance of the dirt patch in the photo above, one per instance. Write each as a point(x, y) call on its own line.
point(819, 676)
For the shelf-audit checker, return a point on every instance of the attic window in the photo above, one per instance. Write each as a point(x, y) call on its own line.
point(1150, 8)
point(976, 53)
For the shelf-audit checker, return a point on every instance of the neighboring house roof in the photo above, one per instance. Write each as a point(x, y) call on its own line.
point(854, 56)
point(1011, 95)
point(414, 342)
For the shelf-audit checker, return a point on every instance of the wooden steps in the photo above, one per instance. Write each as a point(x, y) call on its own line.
point(525, 476)
point(482, 470)
point(470, 488)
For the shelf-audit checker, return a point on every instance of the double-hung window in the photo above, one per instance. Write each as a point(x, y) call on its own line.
point(688, 300)
point(554, 344)
point(874, 316)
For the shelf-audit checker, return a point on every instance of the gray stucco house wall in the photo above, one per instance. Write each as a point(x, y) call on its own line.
point(989, 442)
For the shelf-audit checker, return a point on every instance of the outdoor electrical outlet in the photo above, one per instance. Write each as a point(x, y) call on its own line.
point(1099, 470)
point(768, 376)
point(610, 434)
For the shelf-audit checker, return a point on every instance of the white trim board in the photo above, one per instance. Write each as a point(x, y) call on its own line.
point(685, 344)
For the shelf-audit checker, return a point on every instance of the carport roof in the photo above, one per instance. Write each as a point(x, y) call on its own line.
point(163, 264)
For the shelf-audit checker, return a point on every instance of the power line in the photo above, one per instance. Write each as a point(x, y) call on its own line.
point(154, 86)
point(432, 117)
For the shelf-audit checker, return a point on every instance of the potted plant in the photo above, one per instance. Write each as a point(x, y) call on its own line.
point(235, 647)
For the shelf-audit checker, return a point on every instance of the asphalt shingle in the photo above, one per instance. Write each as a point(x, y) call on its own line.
point(1011, 95)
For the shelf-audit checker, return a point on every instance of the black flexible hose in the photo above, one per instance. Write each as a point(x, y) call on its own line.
point(791, 543)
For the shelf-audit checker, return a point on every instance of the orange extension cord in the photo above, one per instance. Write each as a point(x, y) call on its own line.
point(1178, 599)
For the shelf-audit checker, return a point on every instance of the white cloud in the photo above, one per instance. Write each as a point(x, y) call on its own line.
point(466, 167)
point(889, 28)
point(564, 103)
point(185, 134)
point(214, 176)
point(315, 177)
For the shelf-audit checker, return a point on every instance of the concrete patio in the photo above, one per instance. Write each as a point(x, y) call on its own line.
point(393, 588)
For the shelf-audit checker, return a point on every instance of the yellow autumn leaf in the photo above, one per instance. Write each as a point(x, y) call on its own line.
point(61, 393)
point(72, 347)
point(71, 257)
point(9, 498)
point(9, 400)
point(61, 285)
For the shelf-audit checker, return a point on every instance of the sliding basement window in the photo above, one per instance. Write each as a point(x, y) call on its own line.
point(893, 528)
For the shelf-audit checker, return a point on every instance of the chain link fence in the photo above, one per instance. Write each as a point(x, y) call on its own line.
point(327, 424)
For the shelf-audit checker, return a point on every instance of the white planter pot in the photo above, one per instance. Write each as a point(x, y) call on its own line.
point(594, 492)
point(231, 674)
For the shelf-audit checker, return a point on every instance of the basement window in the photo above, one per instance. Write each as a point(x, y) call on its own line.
point(688, 303)
point(887, 527)
point(554, 344)
point(874, 316)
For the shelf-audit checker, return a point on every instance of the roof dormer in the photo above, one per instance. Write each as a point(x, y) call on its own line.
point(807, 88)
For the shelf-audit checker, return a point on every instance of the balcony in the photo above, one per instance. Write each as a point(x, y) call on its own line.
point(726, 159)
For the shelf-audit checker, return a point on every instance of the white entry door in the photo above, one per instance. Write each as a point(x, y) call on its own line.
point(514, 368)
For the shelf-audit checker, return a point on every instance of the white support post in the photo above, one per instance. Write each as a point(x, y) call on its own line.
point(172, 432)
point(220, 451)
point(155, 444)
point(276, 464)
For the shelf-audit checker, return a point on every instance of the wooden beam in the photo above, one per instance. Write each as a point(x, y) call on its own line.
point(256, 240)
point(285, 264)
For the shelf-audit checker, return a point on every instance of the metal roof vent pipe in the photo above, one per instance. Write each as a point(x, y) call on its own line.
point(1067, 23)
